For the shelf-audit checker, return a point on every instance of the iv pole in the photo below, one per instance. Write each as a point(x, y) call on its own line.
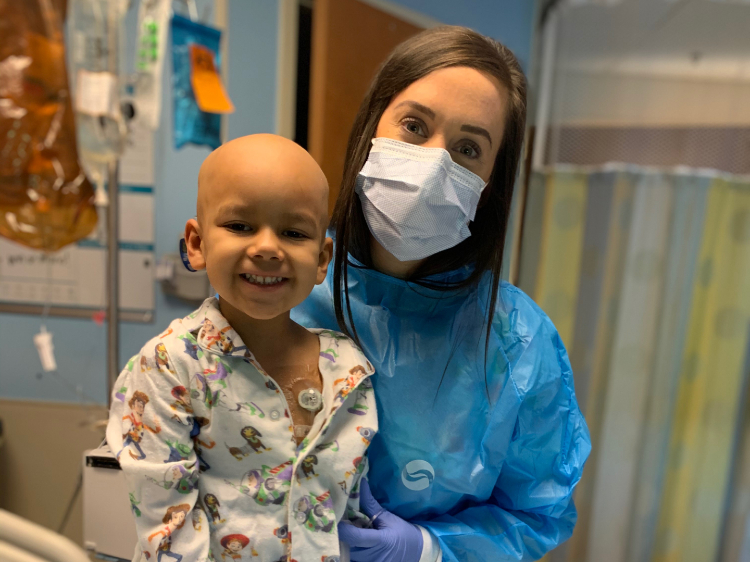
point(113, 273)
point(113, 321)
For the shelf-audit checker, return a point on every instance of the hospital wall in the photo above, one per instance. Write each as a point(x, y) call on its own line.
point(46, 427)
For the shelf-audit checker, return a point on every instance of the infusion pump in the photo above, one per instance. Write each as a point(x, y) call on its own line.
point(108, 524)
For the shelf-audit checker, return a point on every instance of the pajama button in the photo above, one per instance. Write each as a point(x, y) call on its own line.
point(275, 414)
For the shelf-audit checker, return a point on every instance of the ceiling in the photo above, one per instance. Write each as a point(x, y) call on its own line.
point(702, 38)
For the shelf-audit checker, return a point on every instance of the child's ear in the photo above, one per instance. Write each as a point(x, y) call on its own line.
point(194, 243)
point(326, 253)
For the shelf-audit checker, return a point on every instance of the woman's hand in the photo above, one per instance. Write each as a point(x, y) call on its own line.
point(390, 540)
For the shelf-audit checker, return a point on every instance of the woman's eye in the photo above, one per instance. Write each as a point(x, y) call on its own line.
point(415, 128)
point(469, 151)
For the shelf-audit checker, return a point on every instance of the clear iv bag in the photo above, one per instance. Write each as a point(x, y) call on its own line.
point(95, 33)
point(46, 202)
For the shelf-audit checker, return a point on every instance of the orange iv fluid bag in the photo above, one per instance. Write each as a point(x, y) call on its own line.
point(46, 202)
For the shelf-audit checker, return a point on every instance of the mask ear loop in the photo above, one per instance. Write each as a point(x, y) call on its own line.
point(184, 255)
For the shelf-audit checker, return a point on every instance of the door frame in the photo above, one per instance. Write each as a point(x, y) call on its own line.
point(286, 48)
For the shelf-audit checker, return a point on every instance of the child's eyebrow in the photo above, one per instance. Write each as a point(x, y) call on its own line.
point(306, 218)
point(231, 209)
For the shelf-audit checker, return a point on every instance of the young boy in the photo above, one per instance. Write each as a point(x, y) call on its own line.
point(236, 410)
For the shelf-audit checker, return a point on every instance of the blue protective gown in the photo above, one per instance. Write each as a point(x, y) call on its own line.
point(488, 458)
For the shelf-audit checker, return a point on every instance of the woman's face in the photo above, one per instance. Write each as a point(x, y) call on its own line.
point(459, 109)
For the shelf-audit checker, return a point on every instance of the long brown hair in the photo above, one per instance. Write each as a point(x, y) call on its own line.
point(415, 58)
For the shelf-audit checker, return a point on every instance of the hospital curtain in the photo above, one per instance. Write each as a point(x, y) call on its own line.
point(646, 274)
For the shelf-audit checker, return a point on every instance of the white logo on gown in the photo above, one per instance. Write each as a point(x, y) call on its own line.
point(418, 475)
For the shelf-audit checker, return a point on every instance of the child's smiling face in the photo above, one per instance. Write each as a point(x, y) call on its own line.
point(260, 232)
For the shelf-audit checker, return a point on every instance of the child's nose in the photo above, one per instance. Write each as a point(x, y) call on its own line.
point(266, 245)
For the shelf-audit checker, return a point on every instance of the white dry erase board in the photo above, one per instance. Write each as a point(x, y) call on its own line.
point(71, 282)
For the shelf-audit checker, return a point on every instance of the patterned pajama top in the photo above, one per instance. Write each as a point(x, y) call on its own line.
point(205, 439)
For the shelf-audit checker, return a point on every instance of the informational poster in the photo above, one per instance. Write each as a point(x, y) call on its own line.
point(75, 276)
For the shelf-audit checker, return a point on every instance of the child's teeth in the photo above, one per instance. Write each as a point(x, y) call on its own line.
point(263, 280)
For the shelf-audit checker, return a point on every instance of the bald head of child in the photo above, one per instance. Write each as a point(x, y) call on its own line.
point(271, 162)
point(260, 227)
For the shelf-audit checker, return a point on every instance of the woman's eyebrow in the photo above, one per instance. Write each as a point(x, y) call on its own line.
point(477, 131)
point(419, 107)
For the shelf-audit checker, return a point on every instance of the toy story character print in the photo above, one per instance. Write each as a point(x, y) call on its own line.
point(356, 373)
point(174, 520)
point(177, 451)
point(360, 406)
point(121, 393)
point(214, 338)
point(267, 486)
point(144, 363)
point(249, 408)
point(271, 385)
point(250, 358)
point(282, 533)
point(335, 336)
point(181, 401)
point(192, 349)
point(162, 359)
point(367, 433)
point(357, 468)
point(316, 512)
point(199, 422)
point(234, 545)
point(203, 392)
point(307, 466)
point(332, 445)
point(134, 505)
point(134, 434)
point(330, 353)
point(179, 478)
point(218, 374)
point(212, 507)
point(253, 443)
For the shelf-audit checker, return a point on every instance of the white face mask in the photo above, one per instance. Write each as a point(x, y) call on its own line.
point(416, 200)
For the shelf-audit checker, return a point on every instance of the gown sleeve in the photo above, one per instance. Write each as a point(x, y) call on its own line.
point(157, 457)
point(530, 510)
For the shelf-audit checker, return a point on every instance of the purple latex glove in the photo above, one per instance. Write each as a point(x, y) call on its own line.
point(390, 540)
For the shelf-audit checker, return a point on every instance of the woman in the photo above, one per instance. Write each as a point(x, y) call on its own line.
point(481, 439)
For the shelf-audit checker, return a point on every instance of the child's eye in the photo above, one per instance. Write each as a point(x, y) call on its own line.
point(295, 234)
point(237, 227)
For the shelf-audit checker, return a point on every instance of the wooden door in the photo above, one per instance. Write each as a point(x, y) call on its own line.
point(350, 39)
